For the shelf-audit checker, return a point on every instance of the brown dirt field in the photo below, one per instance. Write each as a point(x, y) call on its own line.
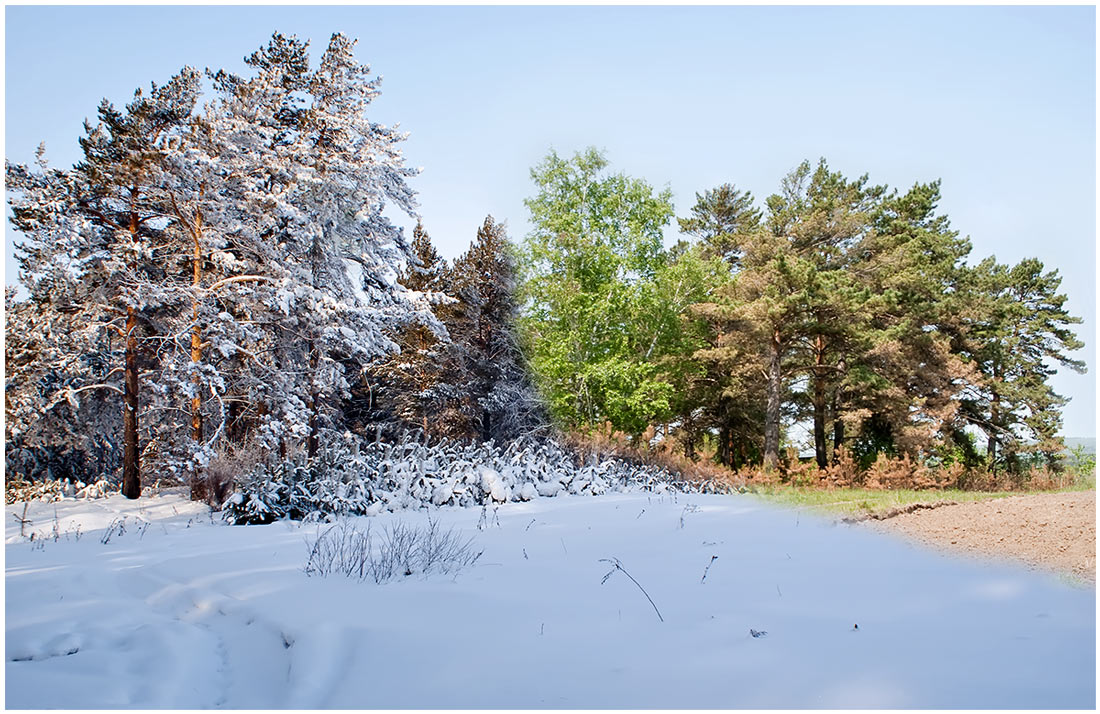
point(1048, 531)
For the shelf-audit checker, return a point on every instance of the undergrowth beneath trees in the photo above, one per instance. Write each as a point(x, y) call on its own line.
point(357, 477)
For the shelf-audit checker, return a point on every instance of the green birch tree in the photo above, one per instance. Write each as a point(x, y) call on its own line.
point(590, 262)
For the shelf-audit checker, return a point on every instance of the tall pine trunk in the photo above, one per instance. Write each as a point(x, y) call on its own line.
point(314, 402)
point(994, 417)
point(689, 431)
point(196, 335)
point(991, 447)
point(819, 423)
point(819, 398)
point(131, 464)
point(198, 484)
point(131, 467)
point(771, 416)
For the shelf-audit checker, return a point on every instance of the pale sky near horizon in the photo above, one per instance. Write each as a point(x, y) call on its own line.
point(998, 102)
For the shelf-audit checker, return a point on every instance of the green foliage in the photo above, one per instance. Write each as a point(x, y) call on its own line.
point(1018, 329)
point(842, 303)
point(720, 218)
point(797, 312)
point(1083, 465)
point(909, 373)
point(605, 302)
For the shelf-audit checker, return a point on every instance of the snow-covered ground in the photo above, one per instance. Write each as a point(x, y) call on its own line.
point(181, 611)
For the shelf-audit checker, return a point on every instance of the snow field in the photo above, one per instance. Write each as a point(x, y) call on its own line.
point(191, 613)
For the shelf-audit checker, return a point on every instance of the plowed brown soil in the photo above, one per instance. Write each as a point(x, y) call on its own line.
point(1049, 531)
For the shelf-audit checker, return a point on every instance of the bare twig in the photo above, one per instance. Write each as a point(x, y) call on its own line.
point(23, 521)
point(690, 508)
point(707, 569)
point(117, 525)
point(616, 565)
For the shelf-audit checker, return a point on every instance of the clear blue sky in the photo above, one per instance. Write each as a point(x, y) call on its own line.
point(998, 102)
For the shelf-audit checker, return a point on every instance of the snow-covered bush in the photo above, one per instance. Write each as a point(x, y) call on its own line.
point(263, 496)
point(17, 490)
point(356, 477)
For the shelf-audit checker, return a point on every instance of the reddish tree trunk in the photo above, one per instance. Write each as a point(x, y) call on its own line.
point(196, 339)
point(199, 491)
point(994, 418)
point(771, 416)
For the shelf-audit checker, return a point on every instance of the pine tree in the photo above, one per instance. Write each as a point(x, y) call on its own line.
point(321, 175)
point(240, 258)
point(499, 397)
point(61, 398)
point(901, 393)
point(824, 215)
point(725, 392)
point(1018, 331)
point(106, 219)
point(794, 305)
point(428, 272)
point(420, 385)
point(720, 218)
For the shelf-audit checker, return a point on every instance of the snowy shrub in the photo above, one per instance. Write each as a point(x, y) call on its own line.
point(99, 489)
point(401, 551)
point(17, 490)
point(354, 477)
point(262, 497)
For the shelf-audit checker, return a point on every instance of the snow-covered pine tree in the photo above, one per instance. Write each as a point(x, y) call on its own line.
point(235, 266)
point(255, 134)
point(95, 238)
point(122, 173)
point(214, 211)
point(321, 174)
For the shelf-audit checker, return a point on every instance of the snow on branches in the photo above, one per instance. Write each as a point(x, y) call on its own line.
point(228, 268)
point(355, 477)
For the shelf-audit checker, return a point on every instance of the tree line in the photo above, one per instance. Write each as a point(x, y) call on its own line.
point(223, 276)
point(220, 276)
point(837, 303)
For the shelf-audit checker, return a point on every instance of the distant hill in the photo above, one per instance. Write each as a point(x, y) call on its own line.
point(1089, 442)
